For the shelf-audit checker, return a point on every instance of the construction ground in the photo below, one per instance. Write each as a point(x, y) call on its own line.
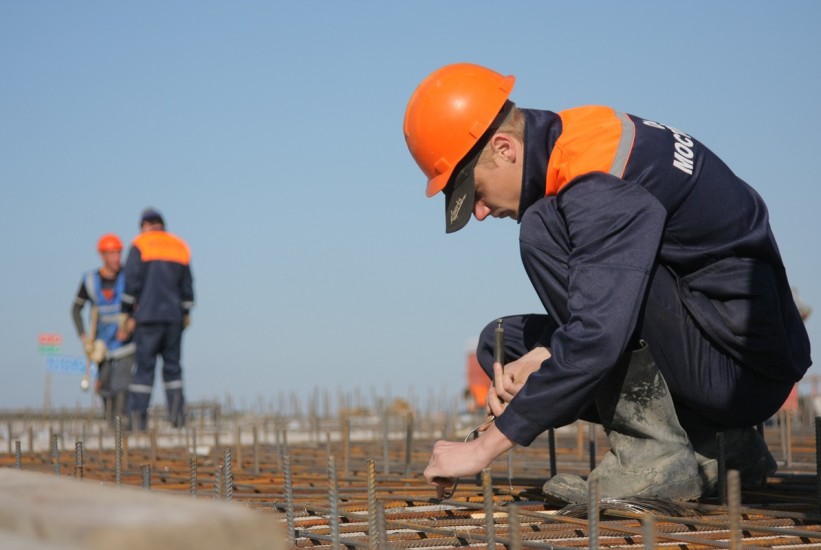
point(352, 479)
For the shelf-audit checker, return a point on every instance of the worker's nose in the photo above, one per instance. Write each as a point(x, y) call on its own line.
point(480, 210)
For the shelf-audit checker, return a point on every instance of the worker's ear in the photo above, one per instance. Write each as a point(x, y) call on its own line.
point(504, 147)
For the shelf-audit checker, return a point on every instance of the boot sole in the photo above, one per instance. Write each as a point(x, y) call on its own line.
point(684, 490)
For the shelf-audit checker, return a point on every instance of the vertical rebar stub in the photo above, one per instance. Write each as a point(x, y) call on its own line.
point(551, 448)
point(118, 450)
point(487, 494)
point(649, 531)
point(55, 454)
point(78, 460)
point(818, 460)
point(593, 508)
point(192, 475)
point(333, 501)
point(373, 539)
point(722, 468)
point(228, 478)
point(289, 501)
point(146, 471)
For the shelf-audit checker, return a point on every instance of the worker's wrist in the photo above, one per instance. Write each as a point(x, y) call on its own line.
point(493, 443)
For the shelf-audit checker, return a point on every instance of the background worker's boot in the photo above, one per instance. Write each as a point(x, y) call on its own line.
point(650, 454)
point(744, 451)
point(175, 401)
point(137, 411)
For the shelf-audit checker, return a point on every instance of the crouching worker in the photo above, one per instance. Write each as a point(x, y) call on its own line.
point(668, 313)
point(103, 343)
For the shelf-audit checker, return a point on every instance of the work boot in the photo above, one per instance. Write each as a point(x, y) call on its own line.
point(650, 454)
point(176, 407)
point(137, 411)
point(744, 450)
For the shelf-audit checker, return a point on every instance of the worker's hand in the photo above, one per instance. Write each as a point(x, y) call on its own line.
point(186, 321)
point(451, 460)
point(125, 328)
point(88, 343)
point(495, 405)
point(508, 380)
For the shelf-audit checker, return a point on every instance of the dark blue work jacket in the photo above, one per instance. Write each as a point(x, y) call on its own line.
point(159, 286)
point(607, 197)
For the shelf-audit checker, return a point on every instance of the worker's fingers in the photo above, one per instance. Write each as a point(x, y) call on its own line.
point(495, 405)
point(442, 485)
point(436, 470)
point(502, 382)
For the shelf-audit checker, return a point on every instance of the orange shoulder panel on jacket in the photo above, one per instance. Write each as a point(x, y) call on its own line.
point(589, 141)
point(162, 246)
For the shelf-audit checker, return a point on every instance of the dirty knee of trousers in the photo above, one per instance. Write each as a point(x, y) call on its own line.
point(650, 454)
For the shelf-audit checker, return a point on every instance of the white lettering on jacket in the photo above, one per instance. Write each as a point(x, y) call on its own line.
point(683, 147)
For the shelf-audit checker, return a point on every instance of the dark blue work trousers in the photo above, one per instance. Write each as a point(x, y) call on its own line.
point(707, 386)
point(165, 340)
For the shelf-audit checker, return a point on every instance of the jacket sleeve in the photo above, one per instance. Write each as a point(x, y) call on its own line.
point(134, 279)
point(77, 308)
point(187, 289)
point(611, 232)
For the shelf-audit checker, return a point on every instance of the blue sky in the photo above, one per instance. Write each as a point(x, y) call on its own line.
point(269, 135)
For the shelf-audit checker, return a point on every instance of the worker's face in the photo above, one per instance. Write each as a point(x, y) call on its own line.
point(145, 227)
point(499, 182)
point(111, 259)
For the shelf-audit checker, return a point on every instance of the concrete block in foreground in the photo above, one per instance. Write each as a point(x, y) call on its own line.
point(46, 511)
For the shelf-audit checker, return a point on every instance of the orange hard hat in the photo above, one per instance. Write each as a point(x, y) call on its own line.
point(109, 242)
point(447, 115)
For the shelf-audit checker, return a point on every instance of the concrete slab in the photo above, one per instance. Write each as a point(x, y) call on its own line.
point(46, 511)
point(20, 542)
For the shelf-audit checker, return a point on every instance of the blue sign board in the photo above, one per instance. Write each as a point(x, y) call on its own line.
point(66, 364)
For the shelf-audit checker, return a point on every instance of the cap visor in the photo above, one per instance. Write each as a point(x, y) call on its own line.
point(459, 197)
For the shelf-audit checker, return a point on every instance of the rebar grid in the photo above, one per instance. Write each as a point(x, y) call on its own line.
point(274, 467)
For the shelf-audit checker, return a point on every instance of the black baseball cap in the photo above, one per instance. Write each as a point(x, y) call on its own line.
point(459, 195)
point(151, 215)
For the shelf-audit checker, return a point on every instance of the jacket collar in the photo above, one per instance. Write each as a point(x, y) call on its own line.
point(542, 129)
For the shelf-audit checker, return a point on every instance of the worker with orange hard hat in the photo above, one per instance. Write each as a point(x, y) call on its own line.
point(668, 312)
point(110, 349)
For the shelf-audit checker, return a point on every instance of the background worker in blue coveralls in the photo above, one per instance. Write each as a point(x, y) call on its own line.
point(103, 343)
point(669, 316)
point(159, 295)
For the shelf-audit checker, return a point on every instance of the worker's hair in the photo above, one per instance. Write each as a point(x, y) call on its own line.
point(514, 124)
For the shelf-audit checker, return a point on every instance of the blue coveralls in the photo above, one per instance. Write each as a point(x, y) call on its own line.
point(159, 292)
point(658, 241)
